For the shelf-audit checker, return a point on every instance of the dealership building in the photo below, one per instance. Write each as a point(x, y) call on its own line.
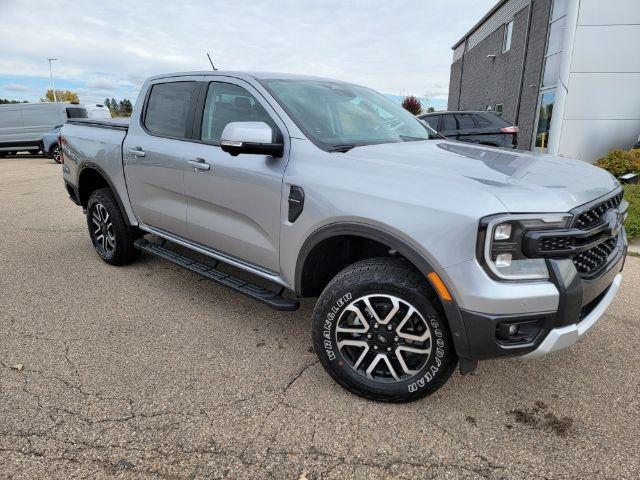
point(567, 72)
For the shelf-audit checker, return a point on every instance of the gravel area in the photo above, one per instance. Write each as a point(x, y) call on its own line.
point(149, 371)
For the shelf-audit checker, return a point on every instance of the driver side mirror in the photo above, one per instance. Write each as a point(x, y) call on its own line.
point(250, 137)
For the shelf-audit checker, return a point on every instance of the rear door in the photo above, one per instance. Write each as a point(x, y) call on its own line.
point(233, 203)
point(155, 153)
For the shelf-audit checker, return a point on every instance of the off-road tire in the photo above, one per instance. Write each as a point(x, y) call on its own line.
point(123, 250)
point(395, 278)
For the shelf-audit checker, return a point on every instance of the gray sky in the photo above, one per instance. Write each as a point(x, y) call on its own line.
point(107, 48)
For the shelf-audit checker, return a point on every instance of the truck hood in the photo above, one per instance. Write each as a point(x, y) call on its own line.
point(522, 181)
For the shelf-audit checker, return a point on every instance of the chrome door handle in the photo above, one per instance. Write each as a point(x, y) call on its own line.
point(199, 164)
point(137, 151)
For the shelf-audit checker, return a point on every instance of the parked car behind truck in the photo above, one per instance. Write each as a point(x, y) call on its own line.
point(22, 125)
point(476, 127)
point(424, 253)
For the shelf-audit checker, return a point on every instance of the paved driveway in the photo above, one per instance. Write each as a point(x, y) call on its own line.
point(147, 371)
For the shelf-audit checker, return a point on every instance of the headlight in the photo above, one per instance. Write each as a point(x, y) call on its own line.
point(500, 244)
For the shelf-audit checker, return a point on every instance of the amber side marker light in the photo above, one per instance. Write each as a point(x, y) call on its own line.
point(440, 287)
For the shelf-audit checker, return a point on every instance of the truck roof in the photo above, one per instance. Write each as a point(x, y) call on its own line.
point(239, 73)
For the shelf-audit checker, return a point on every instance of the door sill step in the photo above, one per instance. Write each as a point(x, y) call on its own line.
point(264, 295)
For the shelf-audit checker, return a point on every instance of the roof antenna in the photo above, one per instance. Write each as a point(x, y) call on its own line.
point(211, 61)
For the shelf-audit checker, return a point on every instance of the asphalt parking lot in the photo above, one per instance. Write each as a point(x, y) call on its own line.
point(147, 371)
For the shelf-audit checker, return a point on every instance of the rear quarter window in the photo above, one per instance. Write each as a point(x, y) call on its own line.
point(487, 120)
point(76, 112)
point(167, 111)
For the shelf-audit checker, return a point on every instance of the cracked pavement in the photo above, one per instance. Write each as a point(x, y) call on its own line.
point(146, 371)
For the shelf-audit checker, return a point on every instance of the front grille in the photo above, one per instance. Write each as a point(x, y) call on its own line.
point(595, 215)
point(590, 261)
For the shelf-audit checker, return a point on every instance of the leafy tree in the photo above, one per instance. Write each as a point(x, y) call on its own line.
point(431, 110)
point(412, 104)
point(61, 96)
point(4, 101)
point(107, 103)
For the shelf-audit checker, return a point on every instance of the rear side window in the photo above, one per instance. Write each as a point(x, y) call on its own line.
point(449, 123)
point(432, 121)
point(167, 110)
point(465, 121)
point(76, 112)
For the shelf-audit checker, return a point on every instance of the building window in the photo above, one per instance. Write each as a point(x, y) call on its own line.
point(506, 40)
point(545, 112)
point(498, 109)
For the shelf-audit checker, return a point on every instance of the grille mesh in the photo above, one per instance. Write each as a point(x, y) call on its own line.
point(590, 261)
point(595, 215)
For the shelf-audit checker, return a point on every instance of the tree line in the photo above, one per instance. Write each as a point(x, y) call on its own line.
point(123, 108)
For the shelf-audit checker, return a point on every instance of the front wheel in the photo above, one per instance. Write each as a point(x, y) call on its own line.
point(111, 236)
point(55, 153)
point(379, 332)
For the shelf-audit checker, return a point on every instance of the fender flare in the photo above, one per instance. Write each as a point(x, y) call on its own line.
point(424, 266)
point(93, 166)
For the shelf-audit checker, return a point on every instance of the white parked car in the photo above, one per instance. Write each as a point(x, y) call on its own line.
point(97, 111)
point(22, 125)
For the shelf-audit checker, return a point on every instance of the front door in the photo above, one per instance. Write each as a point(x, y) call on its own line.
point(155, 154)
point(233, 203)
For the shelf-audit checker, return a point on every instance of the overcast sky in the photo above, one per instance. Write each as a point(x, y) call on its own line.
point(107, 48)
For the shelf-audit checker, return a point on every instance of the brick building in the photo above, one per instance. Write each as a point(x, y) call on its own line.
point(565, 71)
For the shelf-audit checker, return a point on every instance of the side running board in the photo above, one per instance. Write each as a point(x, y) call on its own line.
point(264, 295)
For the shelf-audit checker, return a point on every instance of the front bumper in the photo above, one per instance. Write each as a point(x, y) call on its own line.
point(564, 337)
point(578, 304)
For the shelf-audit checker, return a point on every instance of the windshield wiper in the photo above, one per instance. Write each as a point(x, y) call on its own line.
point(341, 148)
point(408, 138)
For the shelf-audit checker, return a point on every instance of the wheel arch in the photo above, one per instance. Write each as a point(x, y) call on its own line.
point(92, 177)
point(390, 241)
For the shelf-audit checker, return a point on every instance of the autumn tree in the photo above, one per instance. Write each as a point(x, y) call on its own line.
point(412, 104)
point(61, 96)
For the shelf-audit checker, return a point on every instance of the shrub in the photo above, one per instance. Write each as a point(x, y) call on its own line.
point(632, 225)
point(619, 162)
point(412, 104)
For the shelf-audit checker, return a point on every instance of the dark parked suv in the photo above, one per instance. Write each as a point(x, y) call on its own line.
point(475, 127)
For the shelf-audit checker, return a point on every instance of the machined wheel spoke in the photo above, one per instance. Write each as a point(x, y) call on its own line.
point(400, 357)
point(355, 329)
point(355, 343)
point(418, 338)
point(374, 363)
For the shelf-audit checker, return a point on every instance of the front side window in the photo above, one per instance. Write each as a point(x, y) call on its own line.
point(336, 114)
point(167, 110)
point(506, 40)
point(228, 103)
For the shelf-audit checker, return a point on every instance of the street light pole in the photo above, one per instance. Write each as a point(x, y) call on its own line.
point(55, 99)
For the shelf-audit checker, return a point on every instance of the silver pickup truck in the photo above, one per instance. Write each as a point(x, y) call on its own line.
point(424, 253)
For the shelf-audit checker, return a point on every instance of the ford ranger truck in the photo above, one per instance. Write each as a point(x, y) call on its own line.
point(423, 253)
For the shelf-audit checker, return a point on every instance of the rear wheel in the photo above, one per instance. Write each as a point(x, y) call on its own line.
point(379, 332)
point(111, 236)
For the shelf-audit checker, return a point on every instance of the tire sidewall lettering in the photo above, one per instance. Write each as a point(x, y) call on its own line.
point(329, 323)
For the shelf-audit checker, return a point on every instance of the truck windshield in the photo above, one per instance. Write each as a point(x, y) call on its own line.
point(338, 116)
